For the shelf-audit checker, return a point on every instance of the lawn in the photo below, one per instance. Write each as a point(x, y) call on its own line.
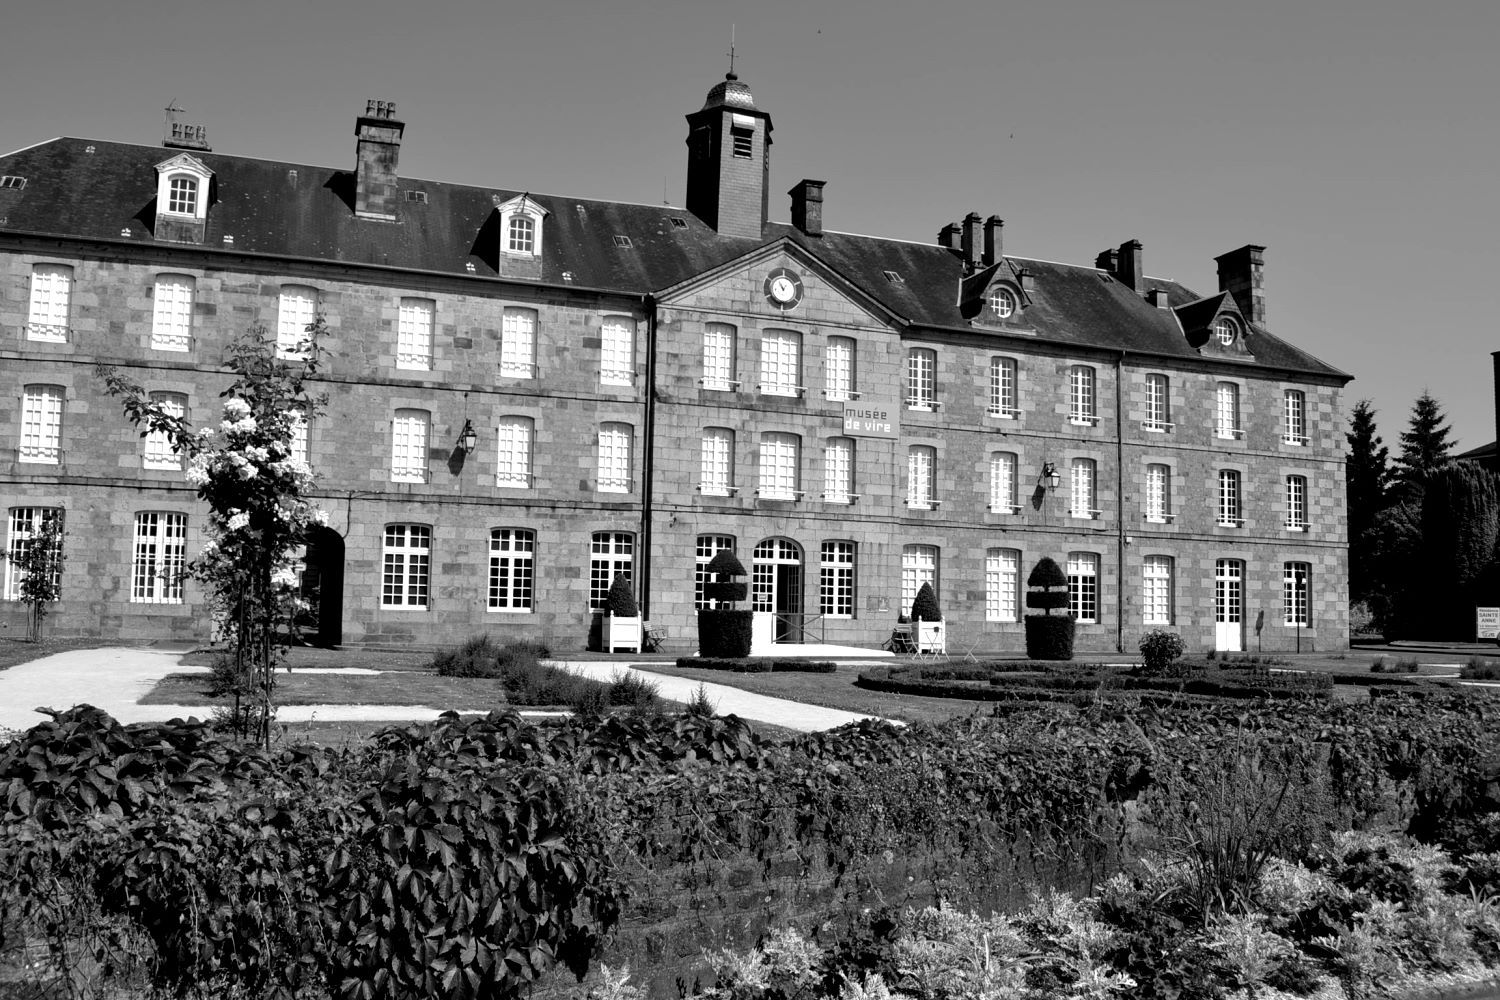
point(394, 688)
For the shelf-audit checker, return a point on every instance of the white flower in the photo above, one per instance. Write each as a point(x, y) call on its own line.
point(235, 408)
point(238, 521)
point(321, 517)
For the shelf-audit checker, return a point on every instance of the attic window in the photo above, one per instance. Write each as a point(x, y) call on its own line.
point(1224, 330)
point(894, 277)
point(1002, 302)
point(420, 196)
point(623, 242)
point(12, 181)
point(182, 196)
point(677, 222)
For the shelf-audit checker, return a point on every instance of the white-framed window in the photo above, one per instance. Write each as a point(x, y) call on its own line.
point(414, 334)
point(520, 235)
point(615, 441)
point(172, 313)
point(839, 369)
point(1229, 498)
point(921, 477)
point(51, 300)
point(836, 580)
point(708, 546)
point(24, 523)
point(838, 470)
point(1002, 302)
point(296, 310)
point(718, 356)
point(1294, 406)
point(514, 436)
point(158, 444)
point(409, 435)
point(1004, 402)
point(1158, 403)
point(299, 445)
point(1158, 493)
point(617, 351)
point(1083, 587)
point(766, 562)
point(158, 559)
point(1004, 497)
point(41, 424)
point(1002, 585)
point(781, 363)
point(518, 343)
point(1296, 503)
point(1296, 585)
point(716, 476)
point(1082, 401)
point(919, 565)
point(1225, 330)
point(406, 566)
point(921, 379)
point(1227, 411)
point(512, 570)
point(611, 554)
point(182, 195)
point(1157, 591)
point(780, 465)
point(1083, 483)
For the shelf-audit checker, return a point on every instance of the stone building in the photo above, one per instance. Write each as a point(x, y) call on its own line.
point(646, 385)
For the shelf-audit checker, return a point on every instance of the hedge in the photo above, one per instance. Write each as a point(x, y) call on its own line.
point(758, 664)
point(1049, 637)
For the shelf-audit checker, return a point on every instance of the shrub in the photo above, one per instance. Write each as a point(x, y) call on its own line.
point(1159, 648)
point(724, 632)
point(758, 664)
point(620, 601)
point(1478, 669)
point(1408, 665)
point(477, 657)
point(702, 706)
point(1378, 666)
point(925, 607)
point(631, 690)
point(1049, 637)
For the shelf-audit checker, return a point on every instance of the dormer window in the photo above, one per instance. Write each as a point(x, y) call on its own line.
point(1225, 330)
point(1002, 302)
point(182, 196)
point(521, 227)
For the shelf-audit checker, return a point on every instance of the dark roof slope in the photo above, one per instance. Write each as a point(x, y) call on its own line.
point(90, 189)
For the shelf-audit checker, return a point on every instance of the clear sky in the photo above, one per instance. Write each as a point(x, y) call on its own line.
point(1355, 139)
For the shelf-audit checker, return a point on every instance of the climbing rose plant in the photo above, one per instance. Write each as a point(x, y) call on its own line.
point(256, 489)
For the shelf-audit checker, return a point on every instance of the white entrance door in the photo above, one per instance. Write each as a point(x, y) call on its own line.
point(1229, 605)
point(776, 588)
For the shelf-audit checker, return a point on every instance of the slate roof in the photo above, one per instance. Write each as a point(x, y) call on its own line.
point(91, 189)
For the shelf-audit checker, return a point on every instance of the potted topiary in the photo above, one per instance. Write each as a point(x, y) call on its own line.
point(622, 617)
point(724, 630)
point(1048, 636)
point(931, 634)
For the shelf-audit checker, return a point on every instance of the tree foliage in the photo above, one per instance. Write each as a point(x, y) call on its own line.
point(256, 490)
point(1460, 528)
point(924, 608)
point(38, 562)
point(1424, 446)
point(1367, 477)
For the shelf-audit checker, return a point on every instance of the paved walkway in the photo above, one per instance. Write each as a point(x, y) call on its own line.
point(115, 679)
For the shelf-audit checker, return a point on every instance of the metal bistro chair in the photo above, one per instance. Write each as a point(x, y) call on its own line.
point(652, 637)
point(903, 639)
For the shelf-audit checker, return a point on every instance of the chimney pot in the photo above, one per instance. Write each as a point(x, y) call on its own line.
point(376, 155)
point(1131, 270)
point(972, 224)
point(994, 240)
point(1242, 274)
point(948, 237)
point(807, 207)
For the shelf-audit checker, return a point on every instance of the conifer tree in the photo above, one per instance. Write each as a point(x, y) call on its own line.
point(1424, 446)
point(1368, 481)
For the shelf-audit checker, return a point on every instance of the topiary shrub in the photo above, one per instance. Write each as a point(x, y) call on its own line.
point(1159, 648)
point(620, 601)
point(1048, 636)
point(925, 607)
point(724, 631)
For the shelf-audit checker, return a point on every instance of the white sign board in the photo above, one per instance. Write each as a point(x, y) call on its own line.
point(870, 420)
point(1487, 623)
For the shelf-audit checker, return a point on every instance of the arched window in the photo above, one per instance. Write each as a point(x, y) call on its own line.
point(513, 437)
point(611, 554)
point(1002, 585)
point(182, 195)
point(406, 563)
point(512, 569)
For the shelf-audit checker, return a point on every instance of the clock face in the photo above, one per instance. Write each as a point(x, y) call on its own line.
point(783, 288)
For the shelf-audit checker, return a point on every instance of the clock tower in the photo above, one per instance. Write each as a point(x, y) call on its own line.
point(729, 160)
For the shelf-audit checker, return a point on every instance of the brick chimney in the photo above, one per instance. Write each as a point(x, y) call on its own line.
point(948, 237)
point(1130, 269)
point(178, 134)
point(378, 149)
point(1242, 274)
point(1108, 260)
point(972, 225)
point(994, 240)
point(807, 207)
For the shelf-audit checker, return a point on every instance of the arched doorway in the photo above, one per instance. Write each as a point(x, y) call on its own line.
point(776, 589)
point(1229, 605)
point(322, 623)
